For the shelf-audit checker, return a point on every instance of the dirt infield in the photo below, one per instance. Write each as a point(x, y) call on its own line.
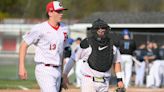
point(78, 90)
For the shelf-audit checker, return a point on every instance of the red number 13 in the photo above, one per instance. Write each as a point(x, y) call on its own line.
point(52, 46)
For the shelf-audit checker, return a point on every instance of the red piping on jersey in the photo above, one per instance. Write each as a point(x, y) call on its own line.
point(54, 27)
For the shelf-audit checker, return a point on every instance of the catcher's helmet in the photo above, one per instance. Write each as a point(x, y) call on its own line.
point(99, 25)
point(120, 90)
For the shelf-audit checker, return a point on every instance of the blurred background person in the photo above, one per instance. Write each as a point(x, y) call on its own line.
point(140, 68)
point(152, 66)
point(161, 56)
point(67, 54)
point(127, 46)
point(157, 67)
point(78, 64)
point(68, 49)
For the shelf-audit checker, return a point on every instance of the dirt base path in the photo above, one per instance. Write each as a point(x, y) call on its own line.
point(78, 90)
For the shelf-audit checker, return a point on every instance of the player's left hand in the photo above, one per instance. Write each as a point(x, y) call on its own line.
point(22, 73)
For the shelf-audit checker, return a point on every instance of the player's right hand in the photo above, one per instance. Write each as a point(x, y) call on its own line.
point(65, 81)
point(22, 73)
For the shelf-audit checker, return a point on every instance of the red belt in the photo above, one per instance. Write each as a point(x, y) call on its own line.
point(51, 65)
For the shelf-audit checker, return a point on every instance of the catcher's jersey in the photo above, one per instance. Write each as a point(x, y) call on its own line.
point(83, 55)
point(49, 42)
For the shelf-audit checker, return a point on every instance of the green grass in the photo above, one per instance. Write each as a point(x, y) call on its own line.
point(72, 79)
point(9, 77)
point(15, 84)
point(11, 72)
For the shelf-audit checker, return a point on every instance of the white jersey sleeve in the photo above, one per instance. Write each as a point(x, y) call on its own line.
point(33, 36)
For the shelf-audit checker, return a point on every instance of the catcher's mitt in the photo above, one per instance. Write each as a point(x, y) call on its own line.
point(120, 90)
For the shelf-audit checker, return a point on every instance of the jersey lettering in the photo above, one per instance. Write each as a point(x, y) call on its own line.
point(126, 45)
point(65, 36)
point(52, 46)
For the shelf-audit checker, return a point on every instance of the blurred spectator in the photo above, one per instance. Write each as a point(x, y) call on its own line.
point(127, 47)
point(158, 65)
point(161, 52)
point(68, 52)
point(161, 56)
point(78, 64)
point(70, 41)
point(150, 54)
point(68, 49)
point(153, 70)
point(140, 68)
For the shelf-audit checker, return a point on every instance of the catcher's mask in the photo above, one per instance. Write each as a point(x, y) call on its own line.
point(99, 30)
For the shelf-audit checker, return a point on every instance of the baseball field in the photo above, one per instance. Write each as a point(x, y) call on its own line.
point(9, 81)
point(78, 90)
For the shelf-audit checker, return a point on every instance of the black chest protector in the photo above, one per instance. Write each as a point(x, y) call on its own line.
point(101, 57)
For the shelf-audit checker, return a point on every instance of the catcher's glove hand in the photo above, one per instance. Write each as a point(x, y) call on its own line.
point(120, 90)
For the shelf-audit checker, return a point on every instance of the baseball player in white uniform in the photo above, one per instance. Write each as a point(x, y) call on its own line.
point(140, 68)
point(78, 64)
point(49, 38)
point(98, 55)
point(127, 46)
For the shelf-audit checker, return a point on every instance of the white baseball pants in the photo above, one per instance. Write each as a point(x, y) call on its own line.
point(78, 73)
point(126, 66)
point(140, 72)
point(153, 79)
point(48, 78)
point(88, 85)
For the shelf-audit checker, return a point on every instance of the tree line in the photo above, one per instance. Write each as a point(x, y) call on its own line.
point(76, 8)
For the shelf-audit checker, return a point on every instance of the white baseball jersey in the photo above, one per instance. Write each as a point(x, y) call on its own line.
point(83, 54)
point(49, 42)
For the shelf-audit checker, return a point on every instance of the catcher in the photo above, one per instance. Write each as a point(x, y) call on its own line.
point(98, 54)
